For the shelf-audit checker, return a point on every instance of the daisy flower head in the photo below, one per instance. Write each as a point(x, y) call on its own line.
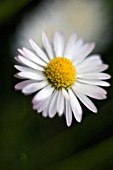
point(61, 74)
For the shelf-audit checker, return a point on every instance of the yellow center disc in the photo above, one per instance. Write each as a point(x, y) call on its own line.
point(61, 72)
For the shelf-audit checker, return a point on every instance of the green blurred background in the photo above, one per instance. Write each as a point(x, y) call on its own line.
point(30, 142)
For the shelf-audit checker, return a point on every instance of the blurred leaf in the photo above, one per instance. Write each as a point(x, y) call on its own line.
point(23, 141)
point(96, 157)
point(74, 139)
point(17, 120)
point(10, 7)
point(21, 132)
point(24, 160)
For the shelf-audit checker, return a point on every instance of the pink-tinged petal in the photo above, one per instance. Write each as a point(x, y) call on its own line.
point(22, 84)
point(90, 90)
point(26, 69)
point(30, 63)
point(45, 112)
point(17, 59)
point(37, 104)
point(47, 45)
point(39, 51)
point(33, 76)
point(59, 43)
point(31, 88)
point(17, 76)
point(21, 53)
point(45, 105)
point(31, 56)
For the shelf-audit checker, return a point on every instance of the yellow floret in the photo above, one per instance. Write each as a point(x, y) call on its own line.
point(61, 72)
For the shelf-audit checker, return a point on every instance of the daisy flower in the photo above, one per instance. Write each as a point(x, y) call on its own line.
point(62, 74)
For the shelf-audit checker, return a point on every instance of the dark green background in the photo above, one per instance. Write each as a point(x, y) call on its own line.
point(30, 142)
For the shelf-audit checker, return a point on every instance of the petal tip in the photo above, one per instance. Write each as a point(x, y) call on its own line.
point(43, 33)
point(30, 40)
point(95, 110)
point(79, 120)
point(68, 124)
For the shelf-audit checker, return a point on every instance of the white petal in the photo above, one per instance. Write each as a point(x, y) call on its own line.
point(94, 82)
point(26, 69)
point(68, 113)
point(46, 109)
point(31, 56)
point(33, 76)
point(90, 90)
point(60, 103)
point(59, 43)
point(70, 46)
point(37, 104)
point(47, 45)
point(31, 88)
point(91, 60)
point(39, 51)
point(91, 76)
point(52, 107)
point(75, 49)
point(92, 68)
point(75, 105)
point(17, 76)
point(45, 104)
point(25, 53)
point(22, 84)
point(30, 63)
point(44, 93)
point(65, 93)
point(21, 52)
point(85, 51)
point(87, 102)
point(17, 59)
point(45, 113)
